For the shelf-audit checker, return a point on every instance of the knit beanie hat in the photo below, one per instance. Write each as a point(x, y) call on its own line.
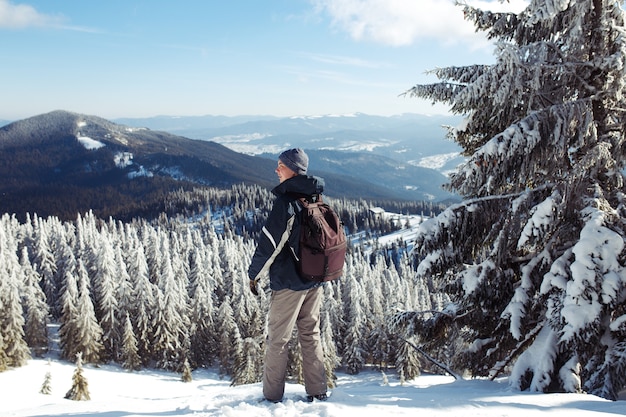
point(296, 160)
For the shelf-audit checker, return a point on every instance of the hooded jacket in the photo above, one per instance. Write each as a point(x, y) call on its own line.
point(277, 246)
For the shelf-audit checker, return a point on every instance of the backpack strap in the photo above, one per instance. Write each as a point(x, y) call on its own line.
point(316, 198)
point(306, 198)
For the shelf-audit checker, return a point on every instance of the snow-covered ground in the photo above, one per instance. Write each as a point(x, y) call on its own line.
point(148, 393)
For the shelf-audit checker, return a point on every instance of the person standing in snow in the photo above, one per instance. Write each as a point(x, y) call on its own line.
point(294, 301)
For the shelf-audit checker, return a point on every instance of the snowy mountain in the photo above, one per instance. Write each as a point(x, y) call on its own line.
point(61, 163)
point(407, 153)
point(415, 139)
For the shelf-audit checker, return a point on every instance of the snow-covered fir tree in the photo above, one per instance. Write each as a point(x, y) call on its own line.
point(36, 309)
point(44, 262)
point(80, 386)
point(248, 363)
point(4, 359)
point(407, 362)
point(171, 321)
point(68, 327)
point(89, 333)
point(186, 374)
point(11, 286)
point(46, 387)
point(124, 297)
point(229, 341)
point(105, 283)
point(331, 359)
point(294, 359)
point(143, 299)
point(533, 258)
point(12, 322)
point(354, 354)
point(129, 354)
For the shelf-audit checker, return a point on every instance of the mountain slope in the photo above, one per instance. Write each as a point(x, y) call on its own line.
point(407, 153)
point(412, 182)
point(406, 137)
point(64, 163)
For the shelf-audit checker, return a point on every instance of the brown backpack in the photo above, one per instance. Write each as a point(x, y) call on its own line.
point(323, 242)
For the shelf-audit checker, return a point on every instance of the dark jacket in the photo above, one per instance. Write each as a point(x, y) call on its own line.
point(276, 248)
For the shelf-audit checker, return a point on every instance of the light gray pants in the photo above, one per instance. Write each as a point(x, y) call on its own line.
point(289, 308)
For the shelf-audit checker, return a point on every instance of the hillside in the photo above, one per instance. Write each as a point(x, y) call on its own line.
point(64, 163)
point(414, 139)
point(409, 153)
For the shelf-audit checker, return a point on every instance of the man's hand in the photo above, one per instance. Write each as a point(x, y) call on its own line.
point(253, 287)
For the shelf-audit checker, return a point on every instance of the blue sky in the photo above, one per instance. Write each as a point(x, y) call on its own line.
point(141, 58)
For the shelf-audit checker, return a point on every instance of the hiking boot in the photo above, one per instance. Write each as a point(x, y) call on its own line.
point(318, 397)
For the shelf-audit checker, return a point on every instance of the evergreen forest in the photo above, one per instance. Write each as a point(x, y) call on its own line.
point(174, 291)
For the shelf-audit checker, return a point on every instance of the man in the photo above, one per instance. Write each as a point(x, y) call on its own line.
point(294, 301)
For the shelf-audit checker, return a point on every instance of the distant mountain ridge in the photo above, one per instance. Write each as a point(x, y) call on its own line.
point(409, 138)
point(407, 153)
point(62, 163)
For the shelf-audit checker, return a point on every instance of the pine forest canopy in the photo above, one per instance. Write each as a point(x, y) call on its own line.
point(533, 258)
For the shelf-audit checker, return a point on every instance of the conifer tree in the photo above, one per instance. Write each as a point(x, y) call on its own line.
point(248, 363)
point(44, 261)
point(46, 387)
point(407, 362)
point(332, 306)
point(354, 355)
point(11, 311)
point(36, 309)
point(105, 285)
point(143, 301)
point(186, 375)
point(65, 262)
point(295, 364)
point(381, 280)
point(4, 359)
point(129, 355)
point(89, 336)
point(171, 328)
point(80, 387)
point(331, 359)
point(69, 311)
point(229, 340)
point(203, 332)
point(15, 345)
point(533, 258)
point(124, 296)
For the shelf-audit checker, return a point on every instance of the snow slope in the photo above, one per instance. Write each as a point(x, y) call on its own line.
point(148, 393)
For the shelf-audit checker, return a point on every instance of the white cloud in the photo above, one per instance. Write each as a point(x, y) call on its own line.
point(405, 22)
point(17, 16)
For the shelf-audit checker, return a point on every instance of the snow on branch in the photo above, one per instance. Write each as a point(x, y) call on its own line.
point(542, 218)
point(547, 9)
point(596, 274)
point(542, 143)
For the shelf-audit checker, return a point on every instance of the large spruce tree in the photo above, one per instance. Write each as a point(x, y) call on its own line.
point(533, 257)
